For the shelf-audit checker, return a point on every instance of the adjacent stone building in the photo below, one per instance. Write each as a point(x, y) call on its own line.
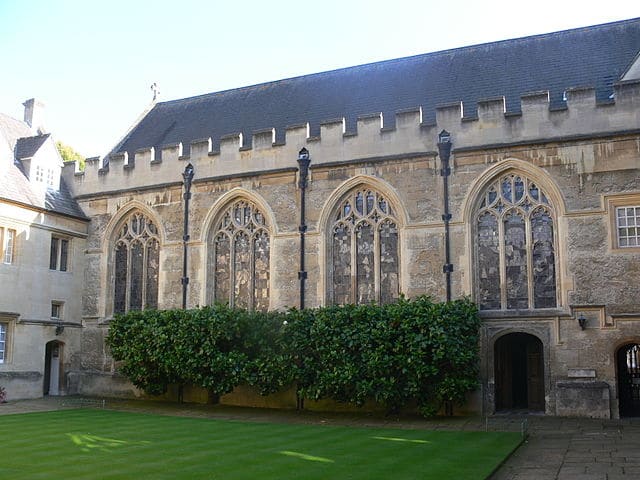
point(535, 215)
point(42, 243)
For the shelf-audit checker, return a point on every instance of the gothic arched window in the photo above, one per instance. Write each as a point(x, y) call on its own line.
point(239, 257)
point(363, 250)
point(515, 246)
point(136, 265)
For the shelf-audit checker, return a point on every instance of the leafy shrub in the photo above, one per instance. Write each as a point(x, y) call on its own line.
point(409, 351)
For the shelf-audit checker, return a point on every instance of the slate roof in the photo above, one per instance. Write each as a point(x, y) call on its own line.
point(27, 147)
point(15, 186)
point(592, 56)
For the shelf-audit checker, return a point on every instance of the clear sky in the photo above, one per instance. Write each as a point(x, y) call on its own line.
point(92, 62)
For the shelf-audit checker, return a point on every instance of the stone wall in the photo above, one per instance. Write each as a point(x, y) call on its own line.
point(586, 158)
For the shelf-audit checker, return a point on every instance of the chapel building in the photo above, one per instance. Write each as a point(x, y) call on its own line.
point(508, 172)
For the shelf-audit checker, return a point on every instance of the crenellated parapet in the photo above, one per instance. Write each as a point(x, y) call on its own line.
point(493, 126)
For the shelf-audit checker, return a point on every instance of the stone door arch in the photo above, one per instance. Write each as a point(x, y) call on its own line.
point(519, 373)
point(628, 367)
point(53, 368)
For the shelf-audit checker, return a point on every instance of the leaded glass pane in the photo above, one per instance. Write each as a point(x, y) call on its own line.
point(153, 268)
point(359, 203)
point(360, 258)
point(120, 291)
point(509, 265)
point(515, 247)
point(261, 270)
point(341, 244)
point(506, 189)
point(222, 268)
point(242, 268)
point(239, 257)
point(370, 202)
point(135, 295)
point(519, 188)
point(137, 256)
point(365, 264)
point(488, 270)
point(492, 194)
point(389, 281)
point(543, 258)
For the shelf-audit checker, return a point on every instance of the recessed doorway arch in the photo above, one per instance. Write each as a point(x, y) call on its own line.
point(628, 367)
point(519, 373)
point(53, 368)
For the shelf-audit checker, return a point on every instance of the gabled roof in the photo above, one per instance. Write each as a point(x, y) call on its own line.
point(593, 56)
point(15, 186)
point(27, 147)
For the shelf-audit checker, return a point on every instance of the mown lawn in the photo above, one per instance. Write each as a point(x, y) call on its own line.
point(102, 444)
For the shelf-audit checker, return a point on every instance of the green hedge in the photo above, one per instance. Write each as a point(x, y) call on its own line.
point(397, 354)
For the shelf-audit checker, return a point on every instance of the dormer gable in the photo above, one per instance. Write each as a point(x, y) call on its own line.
point(39, 161)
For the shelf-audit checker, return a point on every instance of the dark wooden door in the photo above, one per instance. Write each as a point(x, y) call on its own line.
point(504, 375)
point(519, 373)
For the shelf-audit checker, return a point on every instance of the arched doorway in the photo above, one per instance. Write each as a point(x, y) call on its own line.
point(628, 363)
point(519, 373)
point(52, 368)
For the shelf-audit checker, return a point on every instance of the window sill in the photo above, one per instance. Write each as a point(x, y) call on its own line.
point(523, 314)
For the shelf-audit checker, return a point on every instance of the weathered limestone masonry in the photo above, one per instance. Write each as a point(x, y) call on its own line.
point(586, 158)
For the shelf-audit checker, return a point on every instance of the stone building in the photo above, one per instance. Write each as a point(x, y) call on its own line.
point(42, 235)
point(538, 221)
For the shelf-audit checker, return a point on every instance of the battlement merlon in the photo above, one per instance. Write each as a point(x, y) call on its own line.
point(536, 122)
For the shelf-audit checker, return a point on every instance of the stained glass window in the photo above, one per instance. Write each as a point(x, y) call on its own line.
point(515, 247)
point(136, 265)
point(363, 260)
point(239, 255)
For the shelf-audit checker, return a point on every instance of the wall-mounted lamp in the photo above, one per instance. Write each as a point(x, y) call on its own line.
point(187, 175)
point(59, 329)
point(582, 321)
point(444, 151)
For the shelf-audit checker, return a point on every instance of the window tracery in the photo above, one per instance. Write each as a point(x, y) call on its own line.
point(363, 260)
point(515, 246)
point(136, 265)
point(239, 257)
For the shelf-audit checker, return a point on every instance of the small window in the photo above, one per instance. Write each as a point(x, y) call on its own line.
point(628, 226)
point(3, 342)
point(56, 310)
point(50, 177)
point(59, 254)
point(7, 244)
point(39, 174)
